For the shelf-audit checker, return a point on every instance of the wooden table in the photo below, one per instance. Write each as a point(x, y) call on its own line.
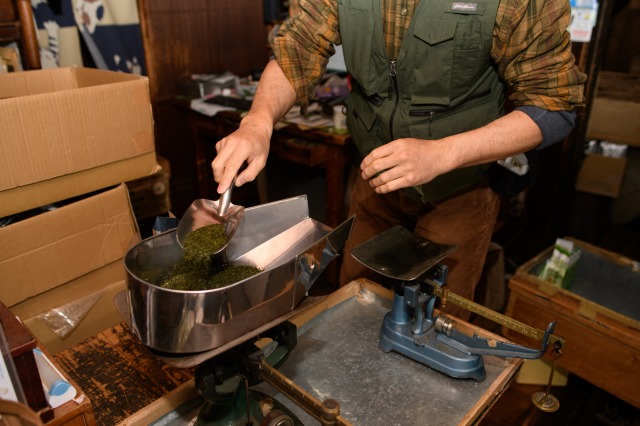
point(78, 412)
point(127, 385)
point(311, 148)
point(118, 374)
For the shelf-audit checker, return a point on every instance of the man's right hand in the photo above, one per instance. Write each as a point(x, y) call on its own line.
point(250, 143)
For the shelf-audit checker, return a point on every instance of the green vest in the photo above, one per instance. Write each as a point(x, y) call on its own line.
point(445, 82)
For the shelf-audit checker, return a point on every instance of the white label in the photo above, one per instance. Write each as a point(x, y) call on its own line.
point(6, 385)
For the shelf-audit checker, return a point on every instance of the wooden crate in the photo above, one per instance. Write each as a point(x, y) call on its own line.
point(119, 375)
point(21, 344)
point(598, 317)
point(300, 151)
point(78, 412)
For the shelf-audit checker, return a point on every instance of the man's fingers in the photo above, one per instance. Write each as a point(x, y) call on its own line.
point(244, 177)
point(248, 174)
point(224, 172)
point(225, 182)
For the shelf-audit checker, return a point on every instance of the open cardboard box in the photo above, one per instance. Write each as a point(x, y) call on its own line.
point(97, 313)
point(615, 120)
point(615, 110)
point(68, 263)
point(70, 131)
point(601, 175)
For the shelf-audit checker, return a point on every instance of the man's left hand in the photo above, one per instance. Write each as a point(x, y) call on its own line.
point(404, 163)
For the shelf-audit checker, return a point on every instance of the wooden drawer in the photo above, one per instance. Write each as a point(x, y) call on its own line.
point(300, 151)
point(602, 344)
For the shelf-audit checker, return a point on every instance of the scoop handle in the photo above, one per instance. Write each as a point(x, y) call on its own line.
point(225, 199)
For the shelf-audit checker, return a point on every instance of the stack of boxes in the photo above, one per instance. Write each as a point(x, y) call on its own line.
point(70, 138)
point(614, 123)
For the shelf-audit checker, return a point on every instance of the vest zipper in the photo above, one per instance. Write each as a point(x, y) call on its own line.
point(427, 112)
point(441, 110)
point(431, 113)
point(393, 84)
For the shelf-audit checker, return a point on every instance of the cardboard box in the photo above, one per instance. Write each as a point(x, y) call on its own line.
point(98, 314)
point(150, 195)
point(615, 110)
point(54, 248)
point(601, 175)
point(599, 318)
point(68, 264)
point(614, 120)
point(70, 131)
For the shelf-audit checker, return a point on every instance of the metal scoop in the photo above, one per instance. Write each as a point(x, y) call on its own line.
point(204, 212)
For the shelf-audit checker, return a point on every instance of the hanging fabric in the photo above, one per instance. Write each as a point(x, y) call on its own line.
point(57, 34)
point(109, 29)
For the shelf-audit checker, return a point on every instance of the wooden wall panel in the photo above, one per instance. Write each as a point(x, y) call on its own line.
point(185, 37)
point(200, 36)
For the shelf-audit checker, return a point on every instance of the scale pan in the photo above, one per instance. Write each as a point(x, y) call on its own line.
point(399, 254)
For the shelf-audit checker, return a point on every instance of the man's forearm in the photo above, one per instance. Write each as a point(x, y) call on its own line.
point(250, 143)
point(274, 96)
point(512, 134)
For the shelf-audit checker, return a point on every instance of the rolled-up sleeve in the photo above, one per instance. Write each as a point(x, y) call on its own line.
point(304, 43)
point(532, 48)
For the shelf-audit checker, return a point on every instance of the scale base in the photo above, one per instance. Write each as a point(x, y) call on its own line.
point(261, 410)
point(428, 350)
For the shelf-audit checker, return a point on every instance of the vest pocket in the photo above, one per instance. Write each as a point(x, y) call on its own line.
point(433, 56)
point(447, 60)
point(467, 67)
point(361, 122)
point(357, 40)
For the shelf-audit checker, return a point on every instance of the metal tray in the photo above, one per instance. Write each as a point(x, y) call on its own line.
point(337, 356)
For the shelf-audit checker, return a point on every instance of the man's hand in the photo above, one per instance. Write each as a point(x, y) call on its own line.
point(409, 162)
point(404, 163)
point(250, 144)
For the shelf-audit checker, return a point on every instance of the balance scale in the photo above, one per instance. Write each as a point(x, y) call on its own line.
point(240, 335)
point(412, 265)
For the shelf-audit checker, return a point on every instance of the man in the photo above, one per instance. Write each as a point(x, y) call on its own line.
point(426, 110)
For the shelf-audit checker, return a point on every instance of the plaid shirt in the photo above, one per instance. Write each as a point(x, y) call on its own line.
point(530, 46)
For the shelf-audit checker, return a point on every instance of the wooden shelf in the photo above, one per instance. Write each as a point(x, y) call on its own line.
point(17, 24)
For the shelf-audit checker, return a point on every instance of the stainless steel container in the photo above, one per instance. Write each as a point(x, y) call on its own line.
point(280, 238)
